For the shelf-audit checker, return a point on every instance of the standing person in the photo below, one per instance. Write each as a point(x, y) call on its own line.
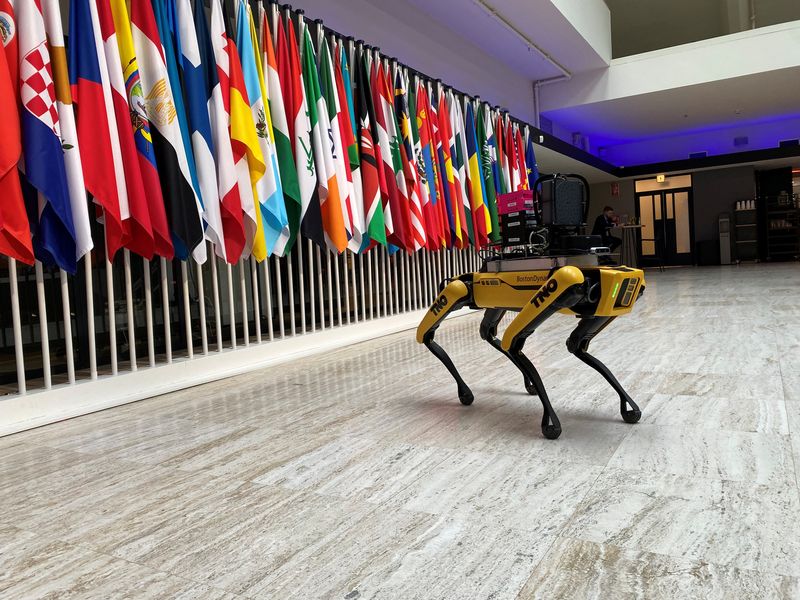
point(602, 227)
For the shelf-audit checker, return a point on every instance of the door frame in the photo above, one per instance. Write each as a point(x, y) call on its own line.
point(654, 261)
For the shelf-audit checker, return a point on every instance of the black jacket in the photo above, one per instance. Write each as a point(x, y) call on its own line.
point(602, 225)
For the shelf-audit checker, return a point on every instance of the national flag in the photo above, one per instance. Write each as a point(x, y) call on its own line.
point(502, 158)
point(480, 212)
point(491, 140)
point(511, 157)
point(460, 200)
point(247, 155)
point(446, 215)
point(408, 156)
point(488, 172)
point(459, 152)
point(214, 59)
point(15, 234)
point(402, 211)
point(341, 160)
point(530, 161)
point(281, 137)
point(194, 76)
point(69, 135)
point(321, 134)
point(375, 232)
point(423, 188)
point(395, 234)
point(269, 190)
point(148, 227)
point(96, 123)
point(138, 226)
point(167, 26)
point(347, 127)
point(520, 149)
point(430, 210)
point(160, 102)
point(43, 159)
point(297, 114)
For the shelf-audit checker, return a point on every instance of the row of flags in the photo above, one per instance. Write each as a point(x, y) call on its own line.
point(237, 125)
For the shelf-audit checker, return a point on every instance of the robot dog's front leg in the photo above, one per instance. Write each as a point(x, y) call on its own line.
point(491, 319)
point(455, 295)
point(578, 343)
point(564, 289)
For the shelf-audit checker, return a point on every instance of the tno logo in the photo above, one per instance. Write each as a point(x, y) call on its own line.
point(544, 292)
point(439, 305)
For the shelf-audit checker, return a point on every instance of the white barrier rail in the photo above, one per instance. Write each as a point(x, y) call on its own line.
point(61, 331)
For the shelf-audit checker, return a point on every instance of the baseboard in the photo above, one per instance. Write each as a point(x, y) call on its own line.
point(39, 408)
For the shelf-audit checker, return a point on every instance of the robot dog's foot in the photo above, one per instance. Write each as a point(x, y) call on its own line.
point(551, 428)
point(465, 395)
point(629, 415)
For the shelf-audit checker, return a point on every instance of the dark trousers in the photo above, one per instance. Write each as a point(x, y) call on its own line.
point(612, 242)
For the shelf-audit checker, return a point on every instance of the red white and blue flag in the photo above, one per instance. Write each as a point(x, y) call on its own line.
point(97, 127)
point(54, 233)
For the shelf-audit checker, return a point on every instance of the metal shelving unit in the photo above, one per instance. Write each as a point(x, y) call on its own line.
point(745, 234)
point(783, 227)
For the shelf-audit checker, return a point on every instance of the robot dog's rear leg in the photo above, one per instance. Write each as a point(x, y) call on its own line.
point(491, 319)
point(578, 343)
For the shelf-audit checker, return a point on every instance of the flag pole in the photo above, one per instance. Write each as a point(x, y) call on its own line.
point(187, 310)
point(201, 295)
point(165, 310)
point(44, 337)
point(256, 303)
point(67, 325)
point(112, 318)
point(279, 293)
point(87, 267)
point(17, 326)
point(129, 305)
point(215, 295)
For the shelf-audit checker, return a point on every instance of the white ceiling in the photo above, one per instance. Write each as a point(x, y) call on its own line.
point(722, 103)
point(538, 20)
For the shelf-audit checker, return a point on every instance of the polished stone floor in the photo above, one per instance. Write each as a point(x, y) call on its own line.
point(359, 475)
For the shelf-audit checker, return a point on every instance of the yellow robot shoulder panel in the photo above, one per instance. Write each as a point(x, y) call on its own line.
point(453, 292)
point(562, 280)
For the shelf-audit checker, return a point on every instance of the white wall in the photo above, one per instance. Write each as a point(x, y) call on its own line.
point(404, 32)
point(592, 20)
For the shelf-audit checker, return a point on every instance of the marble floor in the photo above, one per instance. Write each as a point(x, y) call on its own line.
point(358, 474)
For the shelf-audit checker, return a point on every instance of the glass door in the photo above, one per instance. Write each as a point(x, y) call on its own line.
point(667, 232)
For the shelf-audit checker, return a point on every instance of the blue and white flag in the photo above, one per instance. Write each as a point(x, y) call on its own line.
point(195, 83)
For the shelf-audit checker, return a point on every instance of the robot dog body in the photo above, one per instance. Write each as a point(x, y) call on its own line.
point(537, 288)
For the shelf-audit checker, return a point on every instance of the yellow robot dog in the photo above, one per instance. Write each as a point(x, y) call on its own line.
point(536, 288)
